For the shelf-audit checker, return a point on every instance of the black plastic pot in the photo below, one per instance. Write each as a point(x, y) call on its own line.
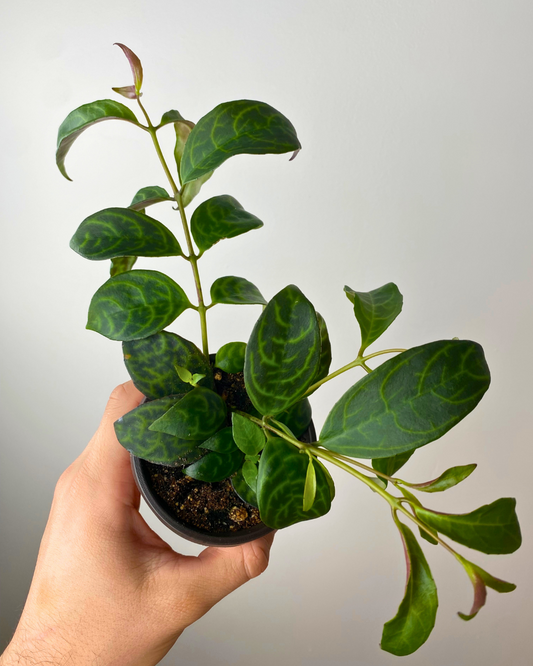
point(142, 478)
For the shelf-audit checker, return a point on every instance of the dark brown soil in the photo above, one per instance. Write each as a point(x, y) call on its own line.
point(211, 507)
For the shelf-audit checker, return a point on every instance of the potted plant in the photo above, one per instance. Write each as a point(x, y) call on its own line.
point(224, 444)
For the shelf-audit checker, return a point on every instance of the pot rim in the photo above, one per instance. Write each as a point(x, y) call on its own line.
point(225, 539)
point(186, 531)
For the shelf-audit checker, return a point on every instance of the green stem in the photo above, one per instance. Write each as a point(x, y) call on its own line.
point(192, 258)
point(359, 361)
point(395, 503)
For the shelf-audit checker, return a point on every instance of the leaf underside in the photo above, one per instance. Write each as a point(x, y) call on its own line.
point(492, 529)
point(147, 196)
point(414, 622)
point(83, 117)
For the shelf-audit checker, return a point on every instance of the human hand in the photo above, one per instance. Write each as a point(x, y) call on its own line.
point(107, 589)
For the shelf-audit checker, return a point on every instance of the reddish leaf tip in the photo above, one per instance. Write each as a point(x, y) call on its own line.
point(293, 156)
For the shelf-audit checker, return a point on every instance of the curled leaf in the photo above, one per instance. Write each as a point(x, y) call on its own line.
point(233, 128)
point(126, 91)
point(136, 69)
point(481, 580)
point(415, 619)
point(451, 477)
point(492, 529)
point(375, 310)
point(83, 117)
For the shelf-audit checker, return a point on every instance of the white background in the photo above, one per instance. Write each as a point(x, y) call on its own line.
point(416, 124)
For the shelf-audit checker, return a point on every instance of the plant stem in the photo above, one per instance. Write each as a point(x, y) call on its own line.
point(359, 361)
point(395, 503)
point(192, 258)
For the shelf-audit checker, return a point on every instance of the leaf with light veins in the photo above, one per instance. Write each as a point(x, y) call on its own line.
point(121, 232)
point(233, 128)
point(408, 401)
point(283, 352)
point(133, 433)
point(135, 305)
point(83, 117)
point(150, 363)
point(375, 310)
point(218, 218)
point(236, 291)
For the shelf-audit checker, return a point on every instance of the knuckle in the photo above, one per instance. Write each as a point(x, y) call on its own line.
point(256, 560)
point(118, 393)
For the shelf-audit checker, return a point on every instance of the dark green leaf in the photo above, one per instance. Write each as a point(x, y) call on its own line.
point(249, 472)
point(281, 482)
point(297, 417)
point(133, 433)
point(150, 363)
point(174, 116)
point(190, 190)
point(215, 466)
point(221, 442)
point(430, 535)
point(248, 436)
point(310, 486)
point(230, 357)
point(218, 218)
point(136, 69)
point(243, 490)
point(233, 128)
point(325, 350)
point(283, 352)
point(329, 480)
point(481, 580)
point(375, 311)
point(122, 232)
point(147, 196)
point(136, 304)
point(451, 477)
point(408, 401)
point(197, 416)
point(83, 117)
point(121, 265)
point(236, 291)
point(415, 619)
point(493, 528)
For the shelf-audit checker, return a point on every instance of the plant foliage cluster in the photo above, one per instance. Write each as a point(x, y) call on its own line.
point(410, 400)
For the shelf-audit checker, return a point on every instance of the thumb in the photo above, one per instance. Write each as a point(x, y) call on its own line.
point(220, 571)
point(104, 456)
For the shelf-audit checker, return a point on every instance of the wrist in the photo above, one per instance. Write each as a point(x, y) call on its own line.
point(35, 648)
